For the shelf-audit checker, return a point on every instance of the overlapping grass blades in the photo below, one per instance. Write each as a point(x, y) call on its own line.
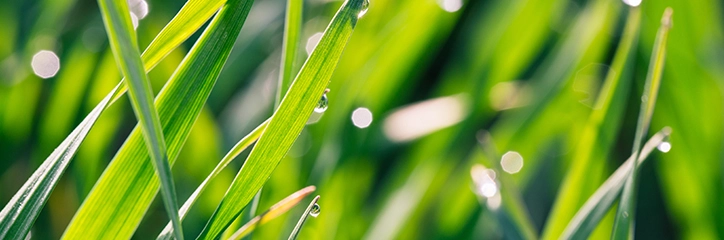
point(124, 44)
point(625, 215)
point(289, 119)
point(274, 211)
point(116, 205)
point(37, 189)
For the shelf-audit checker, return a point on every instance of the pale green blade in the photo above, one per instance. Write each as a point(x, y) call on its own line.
point(230, 156)
point(120, 198)
point(591, 213)
point(124, 44)
point(290, 47)
point(303, 218)
point(596, 138)
point(274, 211)
point(289, 119)
point(623, 228)
point(18, 215)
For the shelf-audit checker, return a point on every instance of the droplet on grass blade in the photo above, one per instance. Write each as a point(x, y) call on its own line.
point(315, 210)
point(323, 103)
point(365, 7)
point(664, 146)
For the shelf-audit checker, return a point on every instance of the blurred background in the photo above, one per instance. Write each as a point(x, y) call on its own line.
point(422, 89)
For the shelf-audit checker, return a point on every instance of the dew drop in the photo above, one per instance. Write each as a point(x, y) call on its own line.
point(365, 7)
point(315, 210)
point(323, 103)
point(664, 147)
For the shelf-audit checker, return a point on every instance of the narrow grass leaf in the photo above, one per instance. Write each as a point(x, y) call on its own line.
point(18, 215)
point(124, 45)
point(230, 156)
point(297, 228)
point(289, 119)
point(290, 47)
point(623, 226)
point(126, 189)
point(587, 218)
point(275, 211)
point(595, 141)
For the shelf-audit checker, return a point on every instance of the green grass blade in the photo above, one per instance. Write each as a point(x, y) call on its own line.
point(18, 215)
point(595, 141)
point(303, 218)
point(230, 156)
point(124, 45)
point(120, 198)
point(623, 227)
point(290, 47)
point(591, 213)
point(289, 119)
point(274, 211)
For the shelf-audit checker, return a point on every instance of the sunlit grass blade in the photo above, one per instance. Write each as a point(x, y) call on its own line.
point(274, 211)
point(596, 138)
point(623, 227)
point(289, 119)
point(124, 44)
point(18, 215)
point(126, 189)
point(230, 156)
point(591, 213)
point(297, 228)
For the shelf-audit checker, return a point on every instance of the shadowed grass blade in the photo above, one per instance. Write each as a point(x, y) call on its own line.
point(231, 155)
point(124, 44)
point(591, 213)
point(289, 119)
point(292, 36)
point(623, 227)
point(304, 217)
point(274, 211)
point(121, 197)
point(595, 140)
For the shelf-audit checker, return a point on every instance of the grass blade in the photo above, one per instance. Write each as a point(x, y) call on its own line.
point(124, 44)
point(274, 211)
point(289, 119)
point(304, 217)
point(595, 208)
point(594, 141)
point(18, 215)
point(120, 198)
point(623, 227)
point(292, 36)
point(230, 156)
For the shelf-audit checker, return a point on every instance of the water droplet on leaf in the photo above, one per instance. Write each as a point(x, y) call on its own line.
point(365, 7)
point(664, 147)
point(315, 210)
point(323, 103)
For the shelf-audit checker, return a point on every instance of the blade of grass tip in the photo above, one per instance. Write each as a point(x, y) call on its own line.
point(312, 210)
point(276, 210)
point(37, 189)
point(623, 226)
point(123, 194)
point(289, 119)
point(18, 215)
point(230, 156)
point(590, 214)
point(594, 140)
point(123, 43)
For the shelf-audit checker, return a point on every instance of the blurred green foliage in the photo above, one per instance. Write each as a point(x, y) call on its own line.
point(523, 72)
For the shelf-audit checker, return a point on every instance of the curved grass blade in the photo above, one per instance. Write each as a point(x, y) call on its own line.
point(587, 218)
point(274, 211)
point(594, 135)
point(289, 119)
point(292, 36)
point(624, 225)
point(18, 215)
point(303, 219)
point(230, 156)
point(124, 45)
point(126, 189)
